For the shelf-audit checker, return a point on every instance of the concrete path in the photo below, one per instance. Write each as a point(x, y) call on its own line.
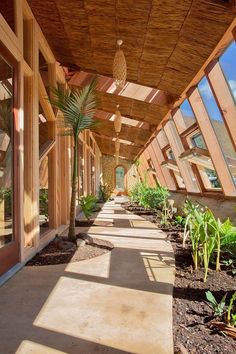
point(116, 303)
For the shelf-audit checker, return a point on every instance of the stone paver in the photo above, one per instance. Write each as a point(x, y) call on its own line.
point(120, 302)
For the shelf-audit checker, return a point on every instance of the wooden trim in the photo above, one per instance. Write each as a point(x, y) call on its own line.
point(193, 151)
point(190, 130)
point(45, 149)
point(44, 101)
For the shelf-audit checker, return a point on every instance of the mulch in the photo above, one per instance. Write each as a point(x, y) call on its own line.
point(60, 251)
point(191, 313)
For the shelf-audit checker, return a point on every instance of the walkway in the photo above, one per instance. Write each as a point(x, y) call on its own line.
point(116, 303)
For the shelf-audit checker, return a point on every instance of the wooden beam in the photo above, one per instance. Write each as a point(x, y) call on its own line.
point(44, 101)
point(223, 96)
point(45, 149)
point(212, 143)
point(184, 166)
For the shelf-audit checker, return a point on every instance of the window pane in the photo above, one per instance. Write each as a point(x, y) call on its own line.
point(198, 141)
point(209, 178)
point(187, 113)
point(218, 126)
point(228, 65)
point(6, 155)
point(170, 154)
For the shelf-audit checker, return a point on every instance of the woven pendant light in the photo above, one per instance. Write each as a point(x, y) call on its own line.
point(117, 121)
point(119, 66)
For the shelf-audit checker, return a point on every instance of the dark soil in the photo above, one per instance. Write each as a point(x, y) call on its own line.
point(191, 313)
point(62, 252)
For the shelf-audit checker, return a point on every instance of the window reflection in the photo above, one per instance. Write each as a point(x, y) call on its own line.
point(187, 113)
point(218, 126)
point(6, 141)
point(204, 164)
point(227, 63)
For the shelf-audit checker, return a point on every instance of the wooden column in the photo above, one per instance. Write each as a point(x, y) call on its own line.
point(52, 159)
point(156, 164)
point(212, 143)
point(169, 182)
point(184, 166)
point(223, 97)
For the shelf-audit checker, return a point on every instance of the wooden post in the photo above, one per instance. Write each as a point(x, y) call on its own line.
point(169, 182)
point(184, 166)
point(223, 97)
point(212, 143)
point(52, 159)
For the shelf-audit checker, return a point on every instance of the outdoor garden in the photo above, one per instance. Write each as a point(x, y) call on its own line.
point(204, 311)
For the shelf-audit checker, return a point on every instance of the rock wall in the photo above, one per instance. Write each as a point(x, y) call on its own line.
point(108, 173)
point(222, 208)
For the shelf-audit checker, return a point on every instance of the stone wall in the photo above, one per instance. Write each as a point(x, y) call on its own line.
point(222, 208)
point(108, 172)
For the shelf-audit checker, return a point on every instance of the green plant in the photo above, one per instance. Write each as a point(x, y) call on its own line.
point(87, 204)
point(43, 202)
point(78, 108)
point(231, 315)
point(199, 226)
point(218, 308)
point(180, 220)
point(103, 192)
point(167, 212)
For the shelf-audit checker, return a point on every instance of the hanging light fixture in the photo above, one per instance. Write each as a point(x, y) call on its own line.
point(117, 121)
point(119, 66)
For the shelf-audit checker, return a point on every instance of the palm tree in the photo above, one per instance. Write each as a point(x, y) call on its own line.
point(78, 108)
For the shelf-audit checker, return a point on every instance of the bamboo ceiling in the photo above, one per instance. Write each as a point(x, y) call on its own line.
point(165, 43)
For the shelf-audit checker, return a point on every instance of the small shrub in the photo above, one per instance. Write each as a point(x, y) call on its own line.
point(103, 193)
point(88, 204)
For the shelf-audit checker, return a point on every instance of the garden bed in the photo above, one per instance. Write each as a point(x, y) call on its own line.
point(60, 251)
point(191, 314)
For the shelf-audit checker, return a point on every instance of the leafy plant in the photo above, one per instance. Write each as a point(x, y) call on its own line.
point(180, 220)
point(231, 315)
point(103, 192)
point(78, 108)
point(167, 212)
point(218, 308)
point(88, 204)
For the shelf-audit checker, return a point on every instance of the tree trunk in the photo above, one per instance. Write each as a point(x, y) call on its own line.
point(74, 183)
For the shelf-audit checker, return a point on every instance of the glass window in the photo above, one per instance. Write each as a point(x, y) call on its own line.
point(120, 178)
point(6, 153)
point(228, 65)
point(218, 126)
point(209, 178)
point(179, 180)
point(187, 113)
point(198, 141)
point(170, 154)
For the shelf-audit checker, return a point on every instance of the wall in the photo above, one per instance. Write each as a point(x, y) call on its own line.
point(108, 167)
point(222, 208)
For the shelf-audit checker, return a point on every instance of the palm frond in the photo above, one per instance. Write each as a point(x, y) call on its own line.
point(78, 106)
